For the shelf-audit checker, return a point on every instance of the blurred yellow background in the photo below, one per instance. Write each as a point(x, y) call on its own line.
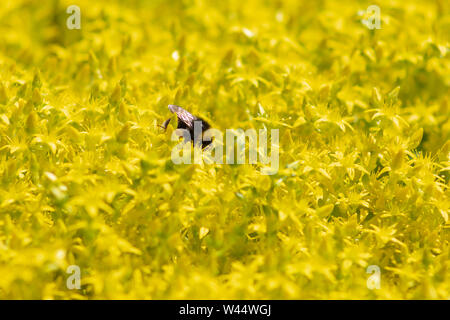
point(86, 177)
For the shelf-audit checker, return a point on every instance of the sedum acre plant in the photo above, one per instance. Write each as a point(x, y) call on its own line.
point(87, 183)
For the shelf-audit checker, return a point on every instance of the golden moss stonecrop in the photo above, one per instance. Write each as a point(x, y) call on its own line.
point(86, 177)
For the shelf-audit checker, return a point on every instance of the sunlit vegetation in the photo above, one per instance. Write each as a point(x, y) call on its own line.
point(86, 176)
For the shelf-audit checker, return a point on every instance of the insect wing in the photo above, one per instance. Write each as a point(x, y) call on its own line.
point(183, 116)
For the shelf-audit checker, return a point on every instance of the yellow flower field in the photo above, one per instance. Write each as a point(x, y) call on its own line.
point(87, 182)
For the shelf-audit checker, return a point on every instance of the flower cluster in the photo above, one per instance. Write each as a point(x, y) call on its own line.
point(86, 176)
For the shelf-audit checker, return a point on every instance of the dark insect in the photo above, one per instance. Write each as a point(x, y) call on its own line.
point(186, 121)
